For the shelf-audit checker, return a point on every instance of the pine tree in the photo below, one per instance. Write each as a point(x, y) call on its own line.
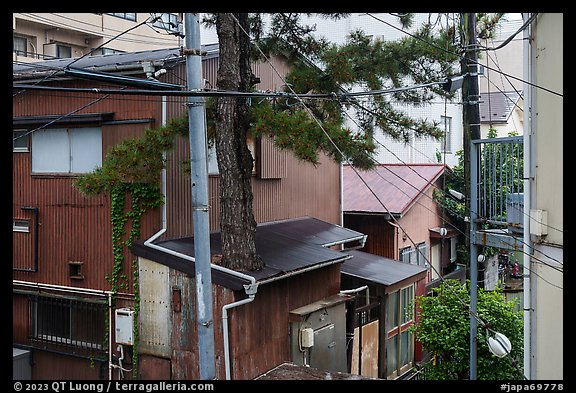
point(314, 126)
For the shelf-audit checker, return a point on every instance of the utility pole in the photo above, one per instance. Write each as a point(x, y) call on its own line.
point(470, 97)
point(199, 172)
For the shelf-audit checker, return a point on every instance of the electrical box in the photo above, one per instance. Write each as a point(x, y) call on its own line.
point(538, 222)
point(307, 337)
point(124, 326)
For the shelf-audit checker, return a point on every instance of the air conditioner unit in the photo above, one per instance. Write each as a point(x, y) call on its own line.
point(124, 326)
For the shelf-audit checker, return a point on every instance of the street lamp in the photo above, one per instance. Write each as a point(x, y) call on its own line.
point(499, 345)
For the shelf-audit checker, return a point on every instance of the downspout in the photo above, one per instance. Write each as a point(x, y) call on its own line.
point(110, 364)
point(341, 194)
point(527, 71)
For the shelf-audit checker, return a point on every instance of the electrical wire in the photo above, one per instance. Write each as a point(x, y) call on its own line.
point(86, 54)
point(236, 93)
point(461, 57)
point(344, 157)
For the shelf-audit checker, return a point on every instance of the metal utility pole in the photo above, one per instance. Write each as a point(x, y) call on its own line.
point(199, 172)
point(471, 96)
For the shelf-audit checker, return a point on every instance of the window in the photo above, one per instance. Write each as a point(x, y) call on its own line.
point(20, 140)
point(66, 150)
point(105, 51)
point(63, 51)
point(213, 161)
point(446, 121)
point(168, 22)
point(124, 15)
point(19, 225)
point(68, 325)
point(408, 255)
point(20, 45)
point(422, 255)
point(400, 341)
point(453, 253)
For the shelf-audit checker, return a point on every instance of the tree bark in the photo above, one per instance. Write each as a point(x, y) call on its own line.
point(237, 223)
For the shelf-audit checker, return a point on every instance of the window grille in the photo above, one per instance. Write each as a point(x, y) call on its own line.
point(68, 325)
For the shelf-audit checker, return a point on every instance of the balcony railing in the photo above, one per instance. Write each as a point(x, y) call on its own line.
point(497, 169)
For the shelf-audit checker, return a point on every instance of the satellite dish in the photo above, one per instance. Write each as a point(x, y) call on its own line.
point(499, 345)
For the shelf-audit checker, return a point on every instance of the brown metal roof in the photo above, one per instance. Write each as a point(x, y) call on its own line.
point(287, 247)
point(380, 270)
point(397, 186)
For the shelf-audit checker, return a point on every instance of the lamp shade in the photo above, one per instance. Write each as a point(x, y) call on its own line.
point(499, 345)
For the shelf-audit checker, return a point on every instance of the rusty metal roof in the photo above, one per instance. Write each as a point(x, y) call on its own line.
point(286, 247)
point(396, 187)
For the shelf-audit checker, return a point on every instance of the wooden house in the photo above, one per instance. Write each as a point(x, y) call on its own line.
point(410, 245)
point(65, 312)
point(260, 318)
point(394, 206)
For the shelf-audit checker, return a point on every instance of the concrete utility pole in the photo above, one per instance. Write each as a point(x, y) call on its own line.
point(471, 96)
point(199, 169)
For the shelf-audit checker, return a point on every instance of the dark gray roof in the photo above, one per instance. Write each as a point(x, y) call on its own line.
point(286, 247)
point(106, 61)
point(496, 106)
point(379, 270)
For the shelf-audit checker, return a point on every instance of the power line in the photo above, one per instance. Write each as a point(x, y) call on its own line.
point(460, 56)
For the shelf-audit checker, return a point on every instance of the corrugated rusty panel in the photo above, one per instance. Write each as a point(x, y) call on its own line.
point(20, 319)
point(54, 367)
point(73, 228)
point(51, 103)
point(259, 331)
point(155, 313)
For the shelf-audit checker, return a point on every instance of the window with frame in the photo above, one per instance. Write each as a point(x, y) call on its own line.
point(399, 339)
point(20, 46)
point(422, 254)
point(408, 255)
point(124, 15)
point(20, 140)
point(68, 325)
point(66, 150)
point(167, 21)
point(63, 51)
point(20, 225)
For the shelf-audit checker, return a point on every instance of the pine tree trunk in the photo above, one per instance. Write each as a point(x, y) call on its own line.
point(237, 223)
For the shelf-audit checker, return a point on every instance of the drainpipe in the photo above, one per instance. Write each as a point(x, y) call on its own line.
point(251, 292)
point(527, 71)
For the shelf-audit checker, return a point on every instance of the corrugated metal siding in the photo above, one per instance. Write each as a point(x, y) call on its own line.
point(73, 227)
point(259, 331)
point(284, 187)
point(381, 238)
point(271, 160)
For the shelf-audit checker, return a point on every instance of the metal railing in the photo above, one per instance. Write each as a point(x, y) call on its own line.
point(497, 176)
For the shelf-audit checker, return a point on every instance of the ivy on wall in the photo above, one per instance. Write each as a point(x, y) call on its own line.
point(130, 176)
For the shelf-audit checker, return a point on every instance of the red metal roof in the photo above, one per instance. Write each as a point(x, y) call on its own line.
point(397, 187)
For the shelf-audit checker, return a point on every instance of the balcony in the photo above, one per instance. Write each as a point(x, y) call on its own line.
point(496, 192)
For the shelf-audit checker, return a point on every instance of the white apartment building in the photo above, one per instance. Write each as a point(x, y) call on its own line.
point(49, 35)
